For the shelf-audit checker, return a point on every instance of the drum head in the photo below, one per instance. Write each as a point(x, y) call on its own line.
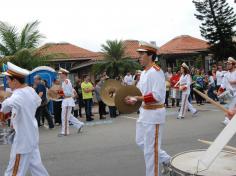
point(186, 163)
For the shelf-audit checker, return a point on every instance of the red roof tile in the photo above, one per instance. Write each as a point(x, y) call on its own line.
point(130, 48)
point(68, 51)
point(183, 44)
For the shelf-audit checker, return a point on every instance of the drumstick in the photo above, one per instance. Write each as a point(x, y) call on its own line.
point(176, 84)
point(209, 143)
point(219, 106)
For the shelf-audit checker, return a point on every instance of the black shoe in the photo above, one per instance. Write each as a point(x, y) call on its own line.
point(102, 117)
point(89, 119)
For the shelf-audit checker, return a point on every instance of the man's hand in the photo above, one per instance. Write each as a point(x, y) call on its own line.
point(231, 113)
point(130, 100)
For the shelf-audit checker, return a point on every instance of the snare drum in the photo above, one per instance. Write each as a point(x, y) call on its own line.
point(185, 164)
point(226, 95)
point(6, 136)
point(175, 93)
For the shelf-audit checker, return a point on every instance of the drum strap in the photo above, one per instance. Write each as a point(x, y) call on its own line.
point(156, 154)
point(16, 165)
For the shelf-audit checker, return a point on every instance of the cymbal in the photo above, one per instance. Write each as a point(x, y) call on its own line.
point(4, 95)
point(52, 93)
point(120, 99)
point(108, 91)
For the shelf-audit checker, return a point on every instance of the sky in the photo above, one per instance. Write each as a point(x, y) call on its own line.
point(89, 23)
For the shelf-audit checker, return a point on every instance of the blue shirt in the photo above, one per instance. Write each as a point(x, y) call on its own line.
point(41, 88)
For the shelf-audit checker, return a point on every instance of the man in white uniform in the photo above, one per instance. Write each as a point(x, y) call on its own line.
point(67, 104)
point(151, 120)
point(229, 83)
point(25, 151)
point(184, 85)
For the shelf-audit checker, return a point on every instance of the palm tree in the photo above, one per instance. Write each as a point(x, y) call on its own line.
point(115, 61)
point(19, 47)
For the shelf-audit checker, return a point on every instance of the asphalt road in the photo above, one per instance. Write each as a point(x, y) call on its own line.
point(109, 149)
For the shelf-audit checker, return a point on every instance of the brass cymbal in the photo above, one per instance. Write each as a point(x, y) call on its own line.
point(109, 90)
point(4, 95)
point(122, 93)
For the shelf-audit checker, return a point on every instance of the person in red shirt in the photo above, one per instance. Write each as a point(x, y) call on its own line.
point(175, 93)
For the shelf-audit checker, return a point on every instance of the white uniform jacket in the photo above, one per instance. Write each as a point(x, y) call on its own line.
point(23, 104)
point(152, 83)
point(68, 92)
point(185, 80)
point(229, 76)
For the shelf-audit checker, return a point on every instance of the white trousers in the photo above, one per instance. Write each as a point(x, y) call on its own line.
point(20, 163)
point(185, 105)
point(66, 116)
point(148, 138)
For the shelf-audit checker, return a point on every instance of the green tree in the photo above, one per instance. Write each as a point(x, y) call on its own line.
point(115, 61)
point(217, 26)
point(20, 47)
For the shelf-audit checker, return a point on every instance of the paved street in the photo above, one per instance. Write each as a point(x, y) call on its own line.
point(109, 149)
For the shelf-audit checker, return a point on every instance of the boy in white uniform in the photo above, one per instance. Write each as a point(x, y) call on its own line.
point(150, 124)
point(67, 103)
point(23, 104)
point(229, 83)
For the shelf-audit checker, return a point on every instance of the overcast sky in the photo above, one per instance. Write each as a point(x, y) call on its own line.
point(89, 23)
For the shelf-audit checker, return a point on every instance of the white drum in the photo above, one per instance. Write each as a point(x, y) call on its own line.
point(185, 164)
point(226, 94)
point(175, 93)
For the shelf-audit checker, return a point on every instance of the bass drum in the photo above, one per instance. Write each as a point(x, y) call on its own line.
point(185, 164)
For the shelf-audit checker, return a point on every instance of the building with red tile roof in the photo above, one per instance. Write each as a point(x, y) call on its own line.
point(184, 48)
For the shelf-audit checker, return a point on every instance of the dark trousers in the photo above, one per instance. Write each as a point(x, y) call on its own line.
point(199, 99)
point(79, 111)
point(112, 110)
point(42, 111)
point(57, 111)
point(211, 93)
point(88, 107)
point(167, 98)
point(101, 108)
point(177, 102)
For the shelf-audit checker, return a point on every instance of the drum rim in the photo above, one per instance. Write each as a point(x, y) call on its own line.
point(189, 151)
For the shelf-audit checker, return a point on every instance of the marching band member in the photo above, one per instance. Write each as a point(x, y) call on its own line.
point(151, 120)
point(229, 83)
point(184, 86)
point(24, 151)
point(67, 103)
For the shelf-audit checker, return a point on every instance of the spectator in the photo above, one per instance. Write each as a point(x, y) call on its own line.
point(168, 75)
point(101, 105)
point(198, 80)
point(128, 79)
point(79, 99)
point(57, 107)
point(87, 94)
point(175, 95)
point(137, 77)
point(219, 78)
point(211, 86)
point(43, 109)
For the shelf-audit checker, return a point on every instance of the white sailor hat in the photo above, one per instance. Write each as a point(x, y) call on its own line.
point(62, 70)
point(15, 71)
point(185, 66)
point(231, 60)
point(145, 47)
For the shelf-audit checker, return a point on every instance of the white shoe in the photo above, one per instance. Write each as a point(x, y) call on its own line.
point(79, 130)
point(195, 113)
point(226, 122)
